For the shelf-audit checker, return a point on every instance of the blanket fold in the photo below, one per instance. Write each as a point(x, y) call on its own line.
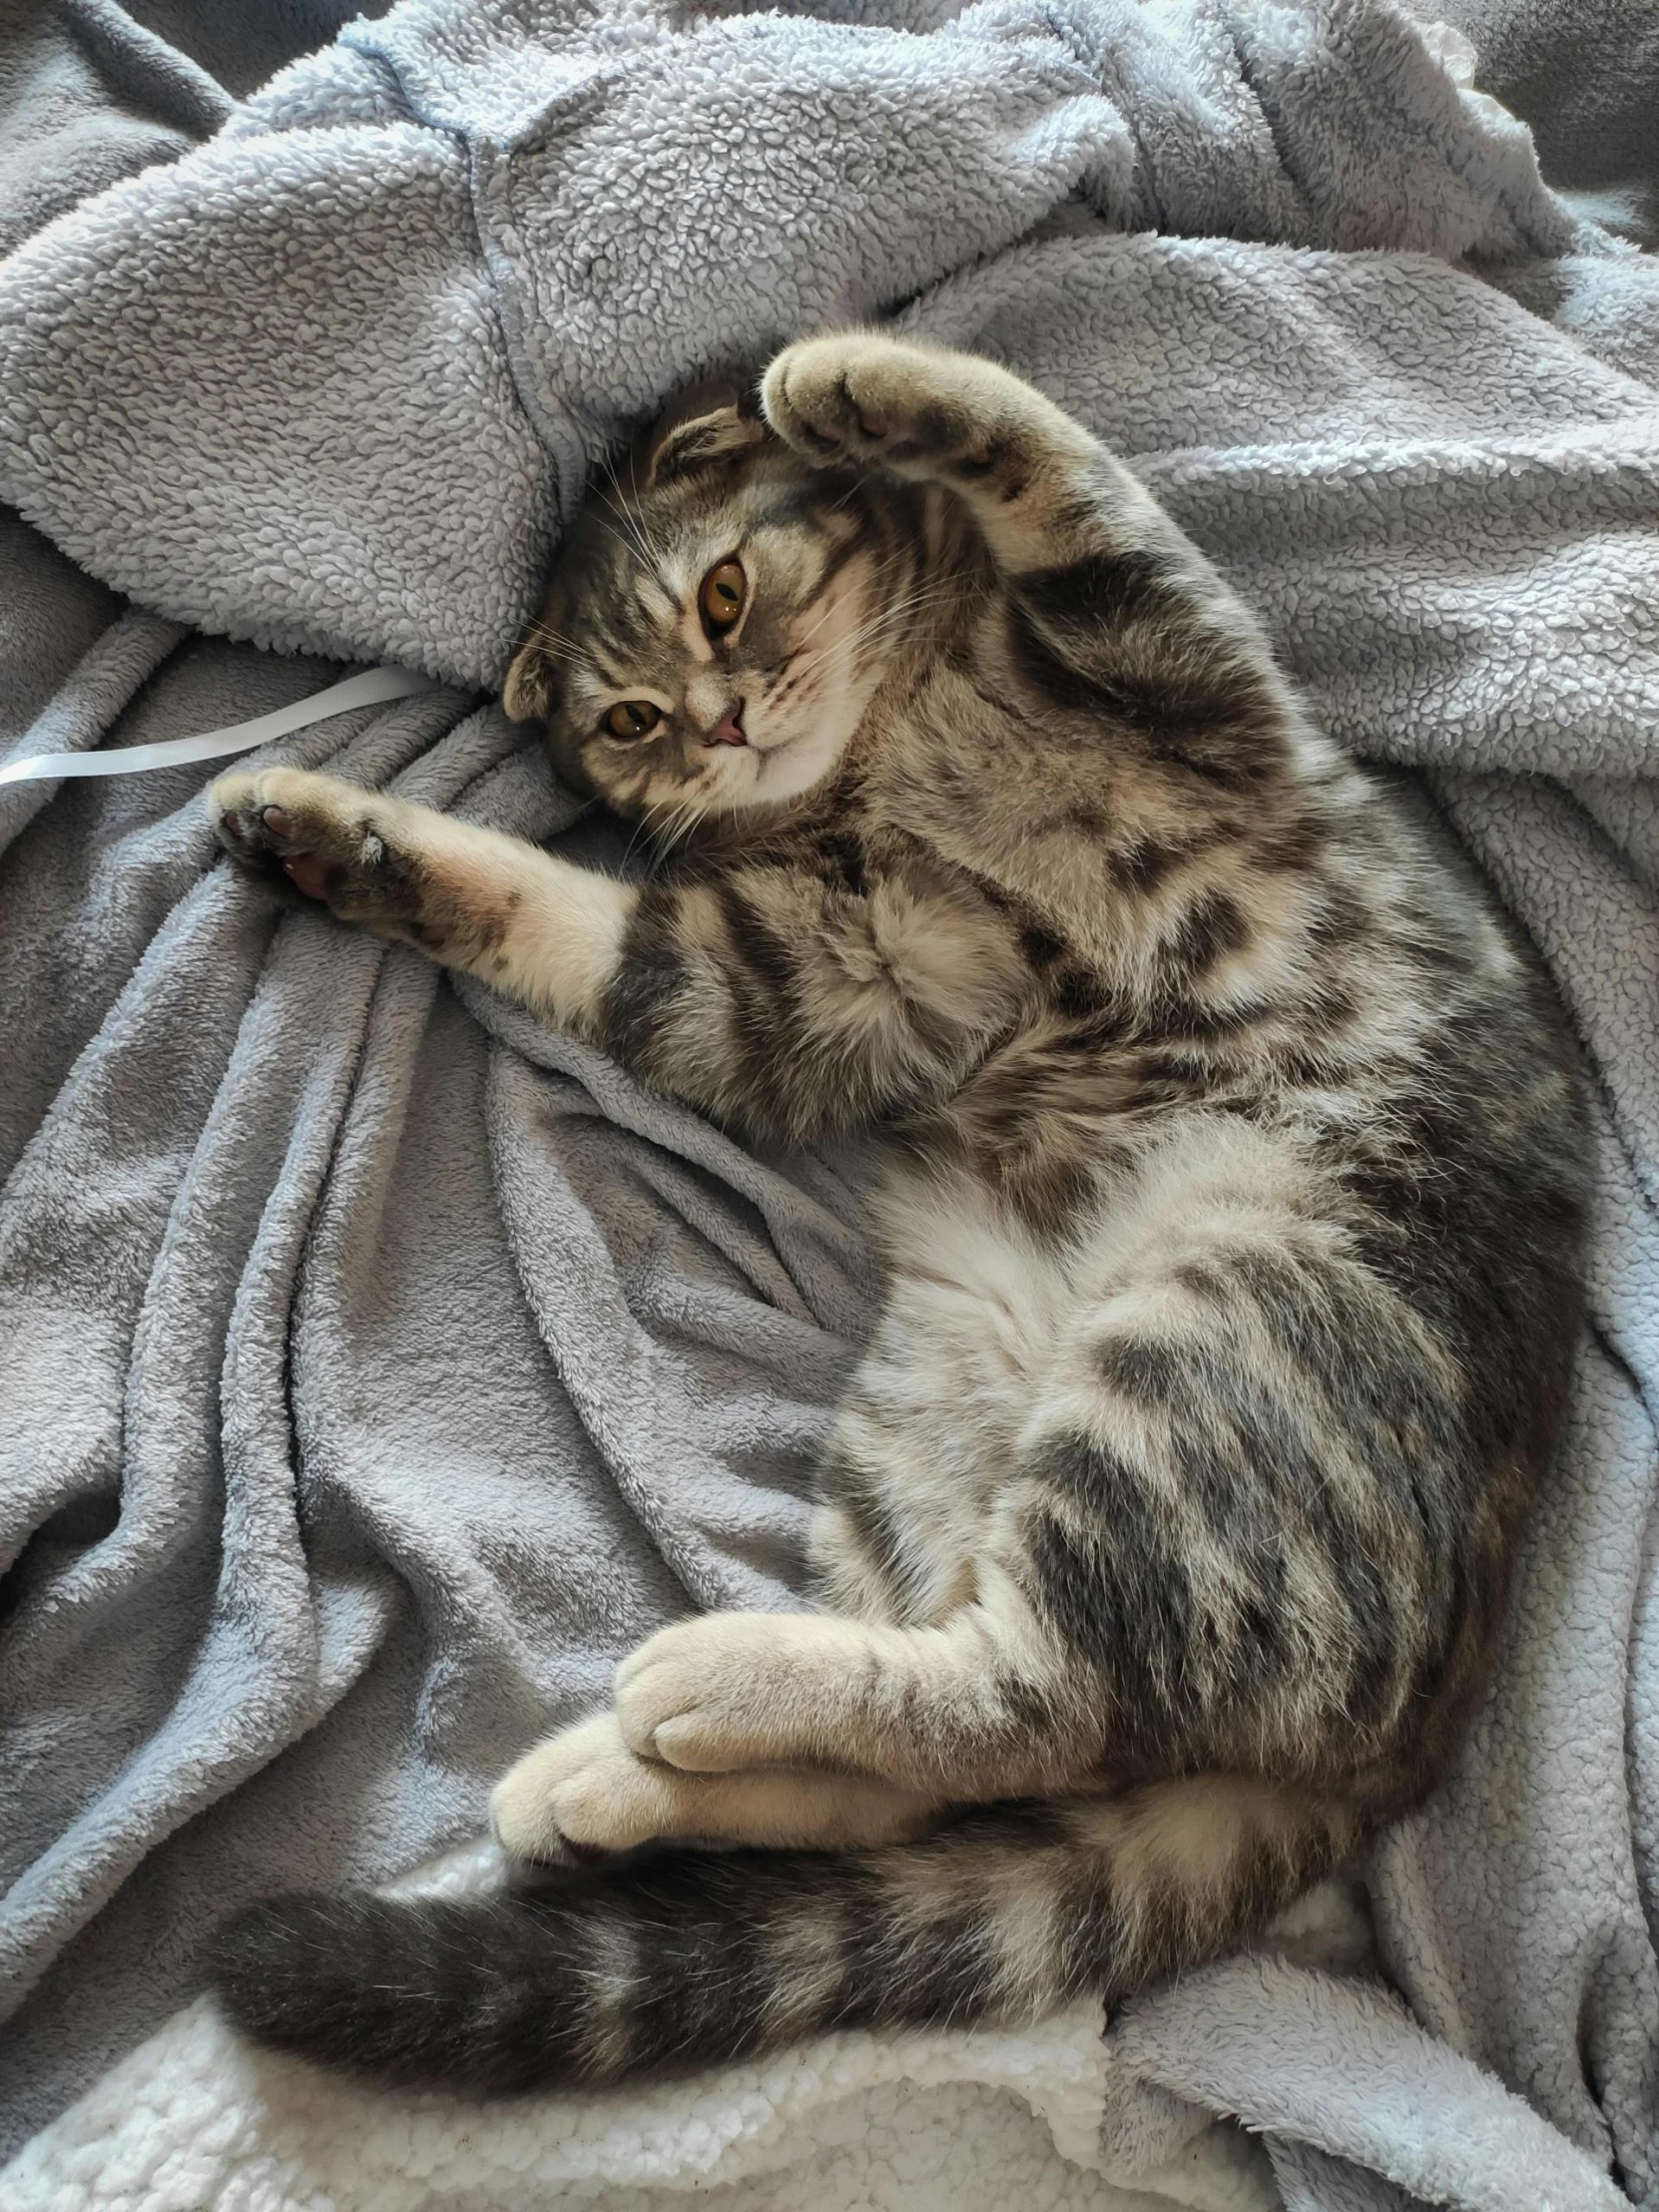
point(520, 227)
point(379, 1366)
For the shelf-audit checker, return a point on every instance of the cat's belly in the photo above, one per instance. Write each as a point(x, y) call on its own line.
point(988, 1340)
point(931, 1422)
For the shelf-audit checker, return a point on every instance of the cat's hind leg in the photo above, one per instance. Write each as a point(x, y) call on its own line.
point(584, 1792)
point(1224, 1535)
point(932, 1670)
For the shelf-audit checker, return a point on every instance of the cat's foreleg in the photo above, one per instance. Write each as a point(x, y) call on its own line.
point(531, 925)
point(697, 986)
point(1113, 607)
point(1043, 490)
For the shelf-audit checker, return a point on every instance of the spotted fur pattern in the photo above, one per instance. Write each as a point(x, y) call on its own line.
point(1233, 1206)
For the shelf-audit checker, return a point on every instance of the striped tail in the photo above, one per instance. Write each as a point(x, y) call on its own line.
point(693, 1957)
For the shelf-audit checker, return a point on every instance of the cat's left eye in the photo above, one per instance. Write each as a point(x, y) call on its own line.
point(633, 718)
point(725, 589)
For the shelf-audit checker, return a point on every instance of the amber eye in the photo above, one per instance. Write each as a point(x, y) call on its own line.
point(633, 718)
point(723, 591)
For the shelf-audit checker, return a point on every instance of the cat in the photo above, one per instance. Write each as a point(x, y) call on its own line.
point(1233, 1202)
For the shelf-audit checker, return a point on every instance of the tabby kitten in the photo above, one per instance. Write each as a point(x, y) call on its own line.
point(1233, 1202)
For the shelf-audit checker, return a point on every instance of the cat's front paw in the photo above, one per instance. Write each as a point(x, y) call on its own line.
point(330, 842)
point(878, 402)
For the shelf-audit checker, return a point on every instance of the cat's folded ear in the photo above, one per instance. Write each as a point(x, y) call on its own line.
point(531, 692)
point(713, 421)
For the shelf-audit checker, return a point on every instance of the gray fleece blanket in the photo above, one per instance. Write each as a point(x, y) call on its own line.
point(377, 1366)
point(1585, 75)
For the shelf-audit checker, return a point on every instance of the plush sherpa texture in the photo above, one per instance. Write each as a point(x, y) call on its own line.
point(87, 96)
point(1585, 75)
point(379, 1367)
point(513, 224)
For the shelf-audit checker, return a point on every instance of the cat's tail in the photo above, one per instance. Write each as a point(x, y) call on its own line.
point(693, 1957)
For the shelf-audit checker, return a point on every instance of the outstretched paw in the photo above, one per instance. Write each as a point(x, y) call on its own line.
point(327, 841)
point(586, 1795)
point(878, 402)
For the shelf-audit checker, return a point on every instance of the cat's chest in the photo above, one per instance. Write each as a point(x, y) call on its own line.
point(1039, 811)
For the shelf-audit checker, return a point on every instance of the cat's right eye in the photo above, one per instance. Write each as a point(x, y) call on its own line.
point(633, 718)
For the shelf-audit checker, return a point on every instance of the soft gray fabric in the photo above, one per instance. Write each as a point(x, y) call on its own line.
point(492, 260)
point(1583, 73)
point(427, 1361)
point(240, 43)
point(88, 95)
point(152, 1664)
point(1255, 2036)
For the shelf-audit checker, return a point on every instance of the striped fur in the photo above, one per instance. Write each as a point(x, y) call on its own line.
point(1233, 1202)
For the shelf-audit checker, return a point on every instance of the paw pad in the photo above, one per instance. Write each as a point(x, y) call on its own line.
point(307, 873)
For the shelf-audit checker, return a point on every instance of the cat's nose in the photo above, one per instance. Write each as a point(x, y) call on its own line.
point(728, 728)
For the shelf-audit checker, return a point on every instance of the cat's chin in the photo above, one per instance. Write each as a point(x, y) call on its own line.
point(786, 770)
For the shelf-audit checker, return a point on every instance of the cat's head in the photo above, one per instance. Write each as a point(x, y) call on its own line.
point(712, 632)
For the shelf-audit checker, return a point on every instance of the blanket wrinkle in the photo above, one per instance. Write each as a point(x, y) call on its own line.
point(382, 1365)
point(89, 94)
point(818, 169)
point(1585, 79)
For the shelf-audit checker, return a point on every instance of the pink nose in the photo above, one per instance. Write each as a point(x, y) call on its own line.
point(728, 728)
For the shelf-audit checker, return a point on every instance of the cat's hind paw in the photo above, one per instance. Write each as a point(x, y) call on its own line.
point(585, 1795)
point(732, 1690)
point(580, 1796)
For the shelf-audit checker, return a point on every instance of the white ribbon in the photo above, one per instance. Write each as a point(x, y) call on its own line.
point(372, 688)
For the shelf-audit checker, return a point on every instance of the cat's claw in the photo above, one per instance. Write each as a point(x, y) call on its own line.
point(325, 839)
